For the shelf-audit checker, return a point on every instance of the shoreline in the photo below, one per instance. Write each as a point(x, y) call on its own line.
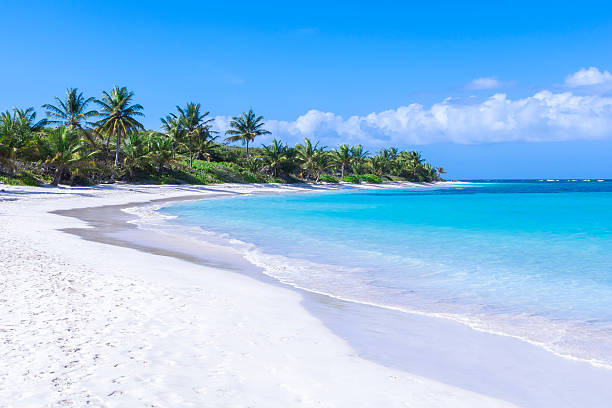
point(335, 311)
point(92, 323)
point(424, 355)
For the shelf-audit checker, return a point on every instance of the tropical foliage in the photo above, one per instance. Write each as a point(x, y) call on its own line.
point(118, 114)
point(75, 144)
point(245, 128)
point(65, 149)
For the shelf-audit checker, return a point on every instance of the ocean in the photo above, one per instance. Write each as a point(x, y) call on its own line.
point(531, 259)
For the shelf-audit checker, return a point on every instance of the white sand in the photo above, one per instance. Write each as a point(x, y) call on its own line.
point(83, 323)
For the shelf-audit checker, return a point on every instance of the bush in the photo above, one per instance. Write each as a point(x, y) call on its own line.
point(352, 179)
point(328, 179)
point(23, 179)
point(370, 178)
point(275, 180)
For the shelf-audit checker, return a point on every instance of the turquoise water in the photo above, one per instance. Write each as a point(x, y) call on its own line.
point(530, 259)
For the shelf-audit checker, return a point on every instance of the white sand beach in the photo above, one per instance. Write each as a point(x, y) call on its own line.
point(90, 324)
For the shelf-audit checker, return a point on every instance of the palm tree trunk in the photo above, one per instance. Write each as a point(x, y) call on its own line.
point(190, 152)
point(107, 149)
point(117, 149)
point(58, 175)
point(342, 170)
point(247, 150)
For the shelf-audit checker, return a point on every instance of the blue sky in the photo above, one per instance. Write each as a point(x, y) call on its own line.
point(426, 73)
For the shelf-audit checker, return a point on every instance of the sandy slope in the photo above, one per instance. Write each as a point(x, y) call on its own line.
point(87, 323)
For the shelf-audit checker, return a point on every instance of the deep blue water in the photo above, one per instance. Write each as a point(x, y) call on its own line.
point(531, 259)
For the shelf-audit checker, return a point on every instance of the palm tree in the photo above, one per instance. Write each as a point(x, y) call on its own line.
point(380, 164)
point(160, 149)
point(342, 157)
point(311, 157)
point(64, 148)
point(27, 118)
point(431, 173)
point(135, 151)
point(203, 147)
point(16, 133)
point(118, 112)
point(195, 126)
point(172, 129)
point(246, 128)
point(72, 111)
point(274, 155)
point(11, 138)
point(415, 157)
point(358, 156)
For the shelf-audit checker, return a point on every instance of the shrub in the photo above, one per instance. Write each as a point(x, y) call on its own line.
point(328, 179)
point(352, 179)
point(275, 180)
point(370, 178)
point(20, 180)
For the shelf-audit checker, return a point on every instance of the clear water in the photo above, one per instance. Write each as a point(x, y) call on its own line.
point(530, 259)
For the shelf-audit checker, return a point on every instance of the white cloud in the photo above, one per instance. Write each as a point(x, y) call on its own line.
point(484, 83)
point(588, 77)
point(545, 116)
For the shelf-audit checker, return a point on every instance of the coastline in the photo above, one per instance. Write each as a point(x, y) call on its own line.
point(104, 324)
point(420, 344)
point(471, 361)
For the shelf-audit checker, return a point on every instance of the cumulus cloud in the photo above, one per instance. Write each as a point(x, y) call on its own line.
point(588, 77)
point(484, 83)
point(545, 116)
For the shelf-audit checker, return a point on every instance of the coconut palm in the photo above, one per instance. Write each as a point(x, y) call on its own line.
point(72, 111)
point(17, 131)
point(274, 156)
point(342, 157)
point(204, 147)
point(358, 157)
point(172, 128)
point(194, 126)
point(64, 148)
point(312, 158)
point(135, 151)
point(415, 157)
point(118, 115)
point(430, 172)
point(27, 118)
point(11, 138)
point(160, 149)
point(246, 128)
point(380, 164)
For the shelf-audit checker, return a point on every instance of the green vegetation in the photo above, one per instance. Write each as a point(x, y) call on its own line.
point(328, 179)
point(80, 145)
point(370, 178)
point(352, 179)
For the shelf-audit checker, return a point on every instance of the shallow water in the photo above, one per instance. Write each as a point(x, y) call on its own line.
point(530, 259)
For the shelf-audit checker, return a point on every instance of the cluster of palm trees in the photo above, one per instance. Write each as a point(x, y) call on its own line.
point(81, 131)
point(314, 162)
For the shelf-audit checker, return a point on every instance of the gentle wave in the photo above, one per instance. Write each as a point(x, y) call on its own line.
point(524, 327)
point(561, 338)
